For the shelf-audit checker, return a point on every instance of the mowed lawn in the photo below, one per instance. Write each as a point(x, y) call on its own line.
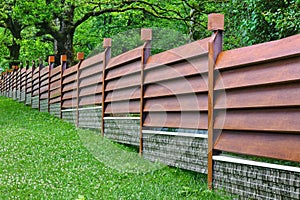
point(42, 157)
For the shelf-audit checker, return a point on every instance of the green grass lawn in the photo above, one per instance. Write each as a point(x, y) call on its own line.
point(42, 157)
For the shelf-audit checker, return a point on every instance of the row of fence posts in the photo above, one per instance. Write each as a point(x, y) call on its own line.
point(215, 24)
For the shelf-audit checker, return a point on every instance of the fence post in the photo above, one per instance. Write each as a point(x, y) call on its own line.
point(216, 24)
point(20, 81)
point(107, 55)
point(63, 61)
point(32, 71)
point(80, 57)
point(39, 83)
point(51, 62)
point(146, 35)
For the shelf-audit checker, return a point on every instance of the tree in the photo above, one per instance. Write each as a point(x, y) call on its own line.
point(254, 21)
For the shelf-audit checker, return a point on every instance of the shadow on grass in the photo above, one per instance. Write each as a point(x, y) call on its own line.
point(116, 156)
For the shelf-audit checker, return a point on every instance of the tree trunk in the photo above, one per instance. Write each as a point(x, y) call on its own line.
point(63, 45)
point(14, 53)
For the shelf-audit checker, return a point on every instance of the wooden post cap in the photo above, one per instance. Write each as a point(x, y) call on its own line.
point(215, 22)
point(63, 58)
point(80, 56)
point(146, 34)
point(106, 42)
point(51, 59)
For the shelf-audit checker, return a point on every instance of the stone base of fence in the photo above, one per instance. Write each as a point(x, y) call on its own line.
point(44, 105)
point(28, 99)
point(124, 130)
point(22, 96)
point(90, 117)
point(256, 180)
point(35, 102)
point(55, 109)
point(183, 150)
point(69, 115)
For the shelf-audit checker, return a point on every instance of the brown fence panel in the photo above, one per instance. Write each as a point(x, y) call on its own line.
point(121, 107)
point(54, 91)
point(262, 88)
point(35, 87)
point(175, 107)
point(173, 79)
point(90, 92)
point(44, 89)
point(69, 94)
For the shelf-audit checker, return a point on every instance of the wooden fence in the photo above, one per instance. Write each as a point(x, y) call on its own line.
point(247, 98)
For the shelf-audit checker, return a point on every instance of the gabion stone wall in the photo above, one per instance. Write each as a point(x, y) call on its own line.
point(14, 94)
point(256, 180)
point(55, 109)
point(18, 92)
point(28, 99)
point(35, 102)
point(90, 117)
point(22, 96)
point(69, 115)
point(183, 150)
point(44, 105)
point(125, 130)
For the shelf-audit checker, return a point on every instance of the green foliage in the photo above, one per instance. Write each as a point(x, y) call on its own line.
point(43, 157)
point(255, 21)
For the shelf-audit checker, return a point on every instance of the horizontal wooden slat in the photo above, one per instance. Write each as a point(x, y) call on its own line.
point(69, 86)
point(90, 81)
point(55, 93)
point(177, 86)
point(44, 71)
point(125, 58)
point(94, 89)
point(273, 72)
point(124, 82)
point(255, 97)
point(55, 85)
point(129, 68)
point(35, 93)
point(90, 100)
point(259, 53)
point(190, 102)
point(69, 103)
point(123, 107)
point(123, 94)
point(44, 77)
point(44, 89)
point(55, 71)
point(69, 79)
point(69, 95)
point(94, 60)
point(54, 100)
point(271, 145)
point(95, 70)
point(35, 76)
point(54, 78)
point(44, 82)
point(70, 70)
point(44, 96)
point(193, 120)
point(181, 69)
point(36, 87)
point(197, 48)
point(276, 120)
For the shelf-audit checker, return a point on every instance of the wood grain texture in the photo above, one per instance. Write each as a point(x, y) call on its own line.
point(271, 145)
point(264, 52)
point(192, 120)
